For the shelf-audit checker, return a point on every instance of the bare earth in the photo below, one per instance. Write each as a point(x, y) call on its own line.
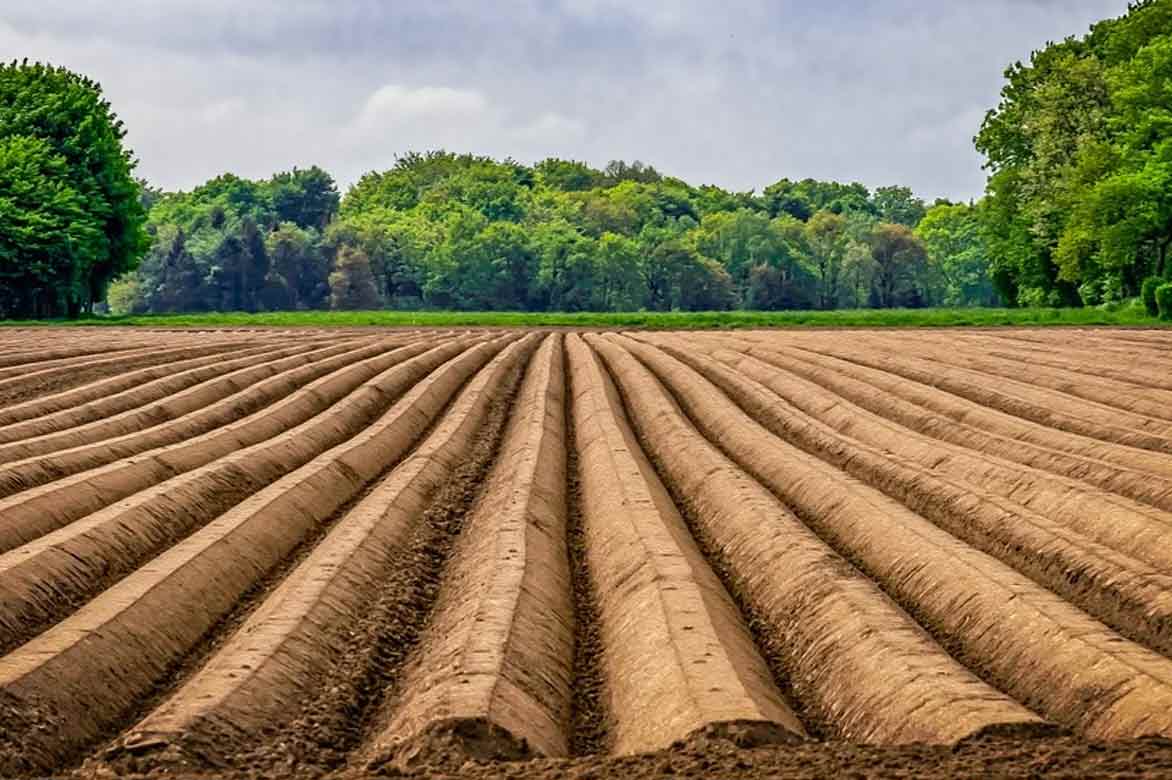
point(489, 553)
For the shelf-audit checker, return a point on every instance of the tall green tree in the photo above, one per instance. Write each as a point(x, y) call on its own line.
point(899, 205)
point(179, 283)
point(298, 269)
point(739, 240)
point(958, 254)
point(618, 272)
point(900, 260)
point(78, 158)
point(1122, 219)
point(49, 238)
point(308, 198)
point(1076, 207)
point(352, 283)
point(826, 235)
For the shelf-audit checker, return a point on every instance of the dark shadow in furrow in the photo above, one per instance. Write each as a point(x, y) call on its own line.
point(315, 739)
point(355, 699)
point(588, 717)
point(815, 724)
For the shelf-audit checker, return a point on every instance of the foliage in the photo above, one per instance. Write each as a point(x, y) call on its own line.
point(958, 254)
point(1077, 212)
point(49, 240)
point(124, 296)
point(71, 218)
point(899, 205)
point(235, 244)
point(828, 241)
point(1148, 294)
point(900, 261)
point(437, 230)
point(1164, 301)
point(1079, 200)
point(447, 231)
point(803, 199)
point(352, 285)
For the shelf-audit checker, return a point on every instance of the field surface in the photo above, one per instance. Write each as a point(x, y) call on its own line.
point(273, 552)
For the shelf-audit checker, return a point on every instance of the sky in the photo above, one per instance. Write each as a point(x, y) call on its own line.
point(738, 93)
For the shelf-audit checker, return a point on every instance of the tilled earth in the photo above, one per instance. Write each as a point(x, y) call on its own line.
point(492, 553)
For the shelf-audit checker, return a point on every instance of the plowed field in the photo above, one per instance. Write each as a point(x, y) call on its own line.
point(493, 553)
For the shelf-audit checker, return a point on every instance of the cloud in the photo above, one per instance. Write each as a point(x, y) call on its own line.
point(553, 127)
point(738, 94)
point(220, 111)
point(459, 119)
point(394, 104)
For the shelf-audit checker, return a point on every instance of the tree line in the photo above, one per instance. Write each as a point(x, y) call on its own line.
point(462, 232)
point(1077, 211)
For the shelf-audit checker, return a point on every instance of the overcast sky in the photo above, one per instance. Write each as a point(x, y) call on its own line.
point(737, 93)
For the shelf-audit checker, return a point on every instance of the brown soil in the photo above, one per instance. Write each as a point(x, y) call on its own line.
point(496, 657)
point(25, 385)
point(676, 655)
point(180, 391)
point(483, 554)
point(588, 716)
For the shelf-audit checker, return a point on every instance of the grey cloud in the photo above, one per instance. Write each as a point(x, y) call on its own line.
point(736, 93)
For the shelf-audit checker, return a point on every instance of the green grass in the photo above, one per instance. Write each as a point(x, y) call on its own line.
point(869, 318)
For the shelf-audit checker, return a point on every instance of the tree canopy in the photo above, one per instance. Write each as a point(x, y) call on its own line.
point(1079, 204)
point(459, 231)
point(71, 218)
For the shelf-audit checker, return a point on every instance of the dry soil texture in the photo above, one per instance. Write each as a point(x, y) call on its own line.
point(482, 554)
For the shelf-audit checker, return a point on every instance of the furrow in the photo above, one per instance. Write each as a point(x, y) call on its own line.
point(677, 659)
point(259, 677)
point(1145, 402)
point(44, 579)
point(1105, 370)
point(951, 418)
point(26, 357)
point(35, 383)
point(852, 657)
point(494, 671)
point(588, 718)
point(122, 393)
point(1107, 363)
point(66, 358)
point(1069, 343)
point(1149, 341)
point(66, 688)
point(1130, 595)
point(152, 456)
point(1140, 531)
point(1028, 642)
point(1015, 398)
point(45, 436)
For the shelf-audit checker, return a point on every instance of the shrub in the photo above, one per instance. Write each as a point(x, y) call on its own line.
point(125, 296)
point(1148, 292)
point(1164, 301)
